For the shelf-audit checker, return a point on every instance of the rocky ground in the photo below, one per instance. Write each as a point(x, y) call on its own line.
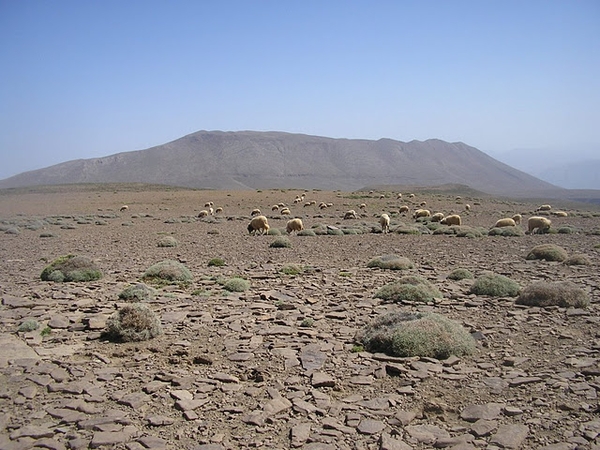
point(276, 366)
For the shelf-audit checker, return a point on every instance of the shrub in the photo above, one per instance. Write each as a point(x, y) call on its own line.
point(559, 293)
point(548, 252)
point(281, 242)
point(132, 323)
point(408, 289)
point(578, 260)
point(137, 293)
point(216, 262)
point(332, 231)
point(168, 241)
point(168, 271)
point(306, 232)
point(507, 232)
point(71, 268)
point(465, 231)
point(291, 269)
point(274, 231)
point(460, 274)
point(392, 262)
point(236, 285)
point(495, 285)
point(565, 230)
point(307, 322)
point(29, 325)
point(407, 230)
point(420, 334)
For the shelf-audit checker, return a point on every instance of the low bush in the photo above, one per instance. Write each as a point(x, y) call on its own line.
point(507, 232)
point(409, 289)
point(132, 323)
point(274, 232)
point(460, 274)
point(168, 271)
point(291, 269)
point(28, 325)
point(281, 242)
point(71, 268)
point(559, 293)
point(306, 232)
point(416, 334)
point(495, 285)
point(547, 252)
point(578, 259)
point(168, 241)
point(138, 292)
point(216, 262)
point(392, 262)
point(236, 285)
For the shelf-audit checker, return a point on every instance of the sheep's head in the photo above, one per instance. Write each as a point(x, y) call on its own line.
point(250, 228)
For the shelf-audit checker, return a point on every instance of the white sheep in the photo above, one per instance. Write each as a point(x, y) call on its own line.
point(538, 224)
point(259, 224)
point(285, 211)
point(437, 217)
point(453, 219)
point(384, 221)
point(255, 212)
point(124, 208)
point(275, 208)
point(560, 214)
point(294, 225)
point(203, 213)
point(421, 213)
point(362, 206)
point(351, 214)
point(411, 195)
point(544, 208)
point(218, 210)
point(322, 205)
point(467, 207)
point(423, 204)
point(209, 204)
point(399, 196)
point(381, 197)
point(517, 218)
point(211, 211)
point(403, 209)
point(506, 222)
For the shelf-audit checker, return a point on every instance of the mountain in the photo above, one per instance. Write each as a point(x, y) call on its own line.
point(259, 160)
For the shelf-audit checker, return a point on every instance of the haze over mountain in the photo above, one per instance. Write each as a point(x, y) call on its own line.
point(259, 160)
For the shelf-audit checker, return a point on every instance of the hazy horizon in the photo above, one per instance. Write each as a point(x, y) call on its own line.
point(91, 79)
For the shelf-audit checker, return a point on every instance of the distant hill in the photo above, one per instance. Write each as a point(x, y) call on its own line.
point(259, 160)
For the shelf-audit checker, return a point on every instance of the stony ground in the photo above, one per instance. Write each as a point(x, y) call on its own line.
point(276, 366)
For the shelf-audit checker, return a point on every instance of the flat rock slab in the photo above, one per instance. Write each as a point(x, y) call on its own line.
point(14, 348)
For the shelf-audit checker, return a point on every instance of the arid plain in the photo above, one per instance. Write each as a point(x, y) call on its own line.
point(277, 366)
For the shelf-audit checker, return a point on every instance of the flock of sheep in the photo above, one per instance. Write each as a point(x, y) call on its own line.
point(259, 222)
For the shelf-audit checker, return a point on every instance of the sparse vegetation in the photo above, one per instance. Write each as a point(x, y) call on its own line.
point(416, 334)
point(281, 242)
point(168, 241)
point(138, 292)
point(71, 268)
point(559, 293)
point(28, 325)
point(306, 232)
point(132, 323)
point(409, 289)
point(495, 285)
point(578, 259)
point(236, 285)
point(291, 269)
point(547, 252)
point(460, 274)
point(216, 262)
point(507, 232)
point(392, 262)
point(168, 272)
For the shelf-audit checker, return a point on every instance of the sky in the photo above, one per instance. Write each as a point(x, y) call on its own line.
point(85, 79)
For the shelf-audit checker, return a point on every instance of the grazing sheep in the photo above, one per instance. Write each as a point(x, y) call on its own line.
point(322, 205)
point(399, 196)
point(362, 206)
point(275, 208)
point(453, 219)
point(467, 207)
point(423, 204)
point(381, 197)
point(538, 225)
point(124, 208)
point(307, 204)
point(517, 218)
point(211, 211)
point(294, 225)
point(560, 214)
point(506, 222)
point(209, 204)
point(403, 209)
point(218, 210)
point(411, 195)
point(298, 200)
point(258, 225)
point(458, 197)
point(421, 213)
point(384, 221)
point(544, 208)
point(255, 212)
point(350, 214)
point(285, 212)
point(437, 217)
point(203, 213)
point(281, 205)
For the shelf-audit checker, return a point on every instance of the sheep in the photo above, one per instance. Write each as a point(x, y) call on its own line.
point(517, 218)
point(285, 212)
point(437, 217)
point(351, 214)
point(275, 208)
point(322, 205)
point(218, 210)
point(381, 197)
point(399, 196)
point(453, 219)
point(411, 195)
point(538, 224)
point(421, 213)
point(258, 224)
point(281, 205)
point(467, 207)
point(211, 211)
point(209, 204)
point(403, 209)
point(362, 206)
point(544, 208)
point(423, 204)
point(203, 213)
point(384, 221)
point(307, 204)
point(124, 208)
point(294, 225)
point(255, 212)
point(560, 214)
point(506, 222)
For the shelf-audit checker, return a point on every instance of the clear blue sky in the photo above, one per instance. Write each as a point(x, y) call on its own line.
point(83, 79)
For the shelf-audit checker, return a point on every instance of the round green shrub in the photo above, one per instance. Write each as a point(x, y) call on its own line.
point(507, 232)
point(548, 252)
point(71, 268)
point(332, 231)
point(306, 232)
point(274, 231)
point(409, 289)
point(137, 293)
point(460, 274)
point(281, 242)
point(216, 262)
point(168, 241)
point(495, 285)
point(392, 262)
point(291, 269)
point(236, 285)
point(565, 230)
point(168, 271)
point(407, 230)
point(416, 334)
point(132, 323)
point(559, 293)
point(578, 259)
point(28, 325)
